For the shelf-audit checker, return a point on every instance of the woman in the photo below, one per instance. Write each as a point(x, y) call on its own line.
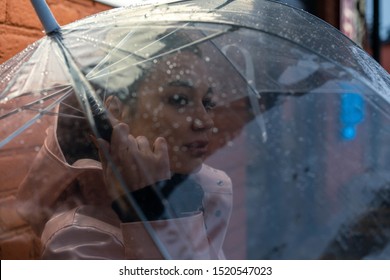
point(159, 142)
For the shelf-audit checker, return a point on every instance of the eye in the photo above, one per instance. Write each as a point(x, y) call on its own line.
point(209, 104)
point(178, 100)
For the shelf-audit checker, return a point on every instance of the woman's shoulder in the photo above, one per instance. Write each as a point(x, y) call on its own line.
point(82, 233)
point(93, 218)
point(213, 180)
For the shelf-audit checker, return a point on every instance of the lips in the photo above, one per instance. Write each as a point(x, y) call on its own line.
point(197, 148)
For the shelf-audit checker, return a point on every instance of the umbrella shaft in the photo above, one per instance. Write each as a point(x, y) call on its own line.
point(45, 16)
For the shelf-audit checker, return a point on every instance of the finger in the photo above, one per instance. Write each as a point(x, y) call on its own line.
point(121, 141)
point(120, 132)
point(112, 102)
point(143, 144)
point(160, 147)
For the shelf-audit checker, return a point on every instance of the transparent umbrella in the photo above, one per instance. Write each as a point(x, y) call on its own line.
point(251, 120)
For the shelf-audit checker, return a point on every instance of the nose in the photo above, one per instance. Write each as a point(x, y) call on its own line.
point(202, 120)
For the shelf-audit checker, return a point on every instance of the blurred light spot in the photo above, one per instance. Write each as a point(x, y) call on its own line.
point(351, 114)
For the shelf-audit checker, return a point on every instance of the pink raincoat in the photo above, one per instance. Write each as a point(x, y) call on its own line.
point(78, 222)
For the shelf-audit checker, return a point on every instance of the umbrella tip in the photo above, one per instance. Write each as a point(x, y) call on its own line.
point(45, 16)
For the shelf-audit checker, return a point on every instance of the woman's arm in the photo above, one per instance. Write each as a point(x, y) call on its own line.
point(83, 233)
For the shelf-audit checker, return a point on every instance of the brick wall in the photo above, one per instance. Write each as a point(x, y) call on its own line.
point(19, 27)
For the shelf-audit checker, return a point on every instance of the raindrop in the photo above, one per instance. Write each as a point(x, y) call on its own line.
point(230, 144)
point(189, 119)
point(36, 148)
point(207, 59)
point(176, 149)
point(214, 130)
point(175, 125)
point(160, 89)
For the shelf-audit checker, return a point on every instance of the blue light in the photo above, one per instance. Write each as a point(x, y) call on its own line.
point(348, 132)
point(352, 113)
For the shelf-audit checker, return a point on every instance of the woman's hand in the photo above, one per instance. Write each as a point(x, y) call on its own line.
point(132, 163)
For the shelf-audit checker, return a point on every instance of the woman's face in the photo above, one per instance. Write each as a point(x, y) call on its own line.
point(175, 101)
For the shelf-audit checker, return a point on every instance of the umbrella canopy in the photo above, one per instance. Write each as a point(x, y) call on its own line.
point(295, 111)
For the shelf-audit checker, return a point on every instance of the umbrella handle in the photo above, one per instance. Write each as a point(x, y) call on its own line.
point(103, 125)
point(45, 16)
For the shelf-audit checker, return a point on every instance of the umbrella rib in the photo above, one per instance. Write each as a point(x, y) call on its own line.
point(48, 113)
point(224, 4)
point(199, 41)
point(29, 123)
point(21, 65)
point(72, 107)
point(29, 105)
point(132, 54)
point(252, 97)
